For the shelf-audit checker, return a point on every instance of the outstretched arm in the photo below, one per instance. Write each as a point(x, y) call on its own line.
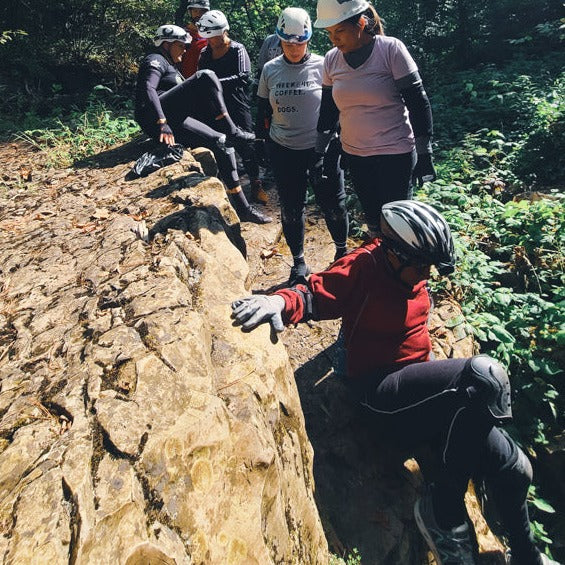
point(252, 311)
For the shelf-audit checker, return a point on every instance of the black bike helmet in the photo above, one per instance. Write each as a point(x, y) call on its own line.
point(419, 232)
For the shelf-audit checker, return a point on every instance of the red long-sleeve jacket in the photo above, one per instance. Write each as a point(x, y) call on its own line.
point(384, 321)
point(189, 62)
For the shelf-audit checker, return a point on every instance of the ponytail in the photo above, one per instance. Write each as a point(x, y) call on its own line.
point(374, 23)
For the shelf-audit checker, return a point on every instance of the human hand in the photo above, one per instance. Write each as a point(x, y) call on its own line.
point(166, 136)
point(424, 171)
point(254, 310)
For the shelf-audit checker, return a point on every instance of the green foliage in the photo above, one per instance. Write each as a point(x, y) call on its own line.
point(510, 285)
point(82, 133)
point(9, 35)
point(353, 558)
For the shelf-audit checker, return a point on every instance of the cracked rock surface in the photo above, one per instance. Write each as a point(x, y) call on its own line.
point(137, 425)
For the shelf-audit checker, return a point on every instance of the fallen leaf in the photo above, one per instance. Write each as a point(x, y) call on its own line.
point(268, 253)
point(25, 174)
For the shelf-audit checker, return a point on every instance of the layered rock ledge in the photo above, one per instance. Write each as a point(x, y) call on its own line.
point(137, 425)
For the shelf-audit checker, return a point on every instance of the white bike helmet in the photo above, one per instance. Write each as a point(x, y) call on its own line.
point(202, 4)
point(294, 26)
point(331, 12)
point(170, 33)
point(420, 232)
point(212, 24)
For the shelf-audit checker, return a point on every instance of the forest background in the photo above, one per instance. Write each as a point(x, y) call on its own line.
point(493, 70)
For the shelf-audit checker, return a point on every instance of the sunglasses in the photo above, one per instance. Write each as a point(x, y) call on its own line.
point(412, 261)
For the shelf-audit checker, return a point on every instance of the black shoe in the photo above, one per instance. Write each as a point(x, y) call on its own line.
point(299, 274)
point(239, 137)
point(254, 216)
point(341, 252)
point(450, 547)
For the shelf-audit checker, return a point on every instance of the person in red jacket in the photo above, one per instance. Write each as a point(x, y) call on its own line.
point(453, 405)
point(196, 9)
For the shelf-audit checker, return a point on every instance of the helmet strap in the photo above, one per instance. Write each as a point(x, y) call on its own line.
point(396, 271)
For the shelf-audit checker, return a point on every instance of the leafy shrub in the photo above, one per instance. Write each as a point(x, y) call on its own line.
point(106, 120)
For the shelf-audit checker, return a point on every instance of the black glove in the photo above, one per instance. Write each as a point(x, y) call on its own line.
point(165, 129)
point(424, 171)
point(316, 168)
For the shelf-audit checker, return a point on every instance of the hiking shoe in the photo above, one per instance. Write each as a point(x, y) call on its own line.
point(299, 274)
point(341, 252)
point(450, 547)
point(254, 216)
point(258, 192)
point(239, 137)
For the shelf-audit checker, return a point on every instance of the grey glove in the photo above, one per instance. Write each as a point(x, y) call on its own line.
point(254, 310)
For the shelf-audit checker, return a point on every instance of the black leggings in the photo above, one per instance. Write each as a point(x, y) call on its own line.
point(379, 179)
point(191, 109)
point(291, 171)
point(434, 403)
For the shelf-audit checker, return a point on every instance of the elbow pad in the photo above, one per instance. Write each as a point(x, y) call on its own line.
point(419, 109)
point(329, 112)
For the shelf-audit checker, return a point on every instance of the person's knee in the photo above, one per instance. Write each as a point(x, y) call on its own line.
point(487, 382)
point(207, 77)
point(334, 213)
point(292, 215)
point(223, 151)
point(515, 475)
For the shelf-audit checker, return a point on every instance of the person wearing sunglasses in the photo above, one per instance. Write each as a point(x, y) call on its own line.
point(171, 109)
point(454, 406)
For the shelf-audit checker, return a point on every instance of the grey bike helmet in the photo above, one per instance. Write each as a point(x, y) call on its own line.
point(212, 24)
point(419, 232)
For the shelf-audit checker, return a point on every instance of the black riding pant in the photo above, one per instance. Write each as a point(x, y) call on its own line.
point(433, 404)
point(291, 168)
point(191, 109)
point(378, 179)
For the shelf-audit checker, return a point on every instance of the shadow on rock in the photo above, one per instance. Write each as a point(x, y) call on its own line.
point(119, 155)
point(186, 181)
point(194, 218)
point(364, 492)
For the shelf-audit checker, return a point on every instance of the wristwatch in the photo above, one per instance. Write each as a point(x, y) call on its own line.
point(162, 121)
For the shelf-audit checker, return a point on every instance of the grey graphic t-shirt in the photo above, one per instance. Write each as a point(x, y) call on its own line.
point(294, 92)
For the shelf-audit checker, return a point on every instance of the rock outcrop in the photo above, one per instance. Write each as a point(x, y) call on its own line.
point(137, 424)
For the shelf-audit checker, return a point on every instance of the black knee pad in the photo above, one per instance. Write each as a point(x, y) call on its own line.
point(488, 380)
